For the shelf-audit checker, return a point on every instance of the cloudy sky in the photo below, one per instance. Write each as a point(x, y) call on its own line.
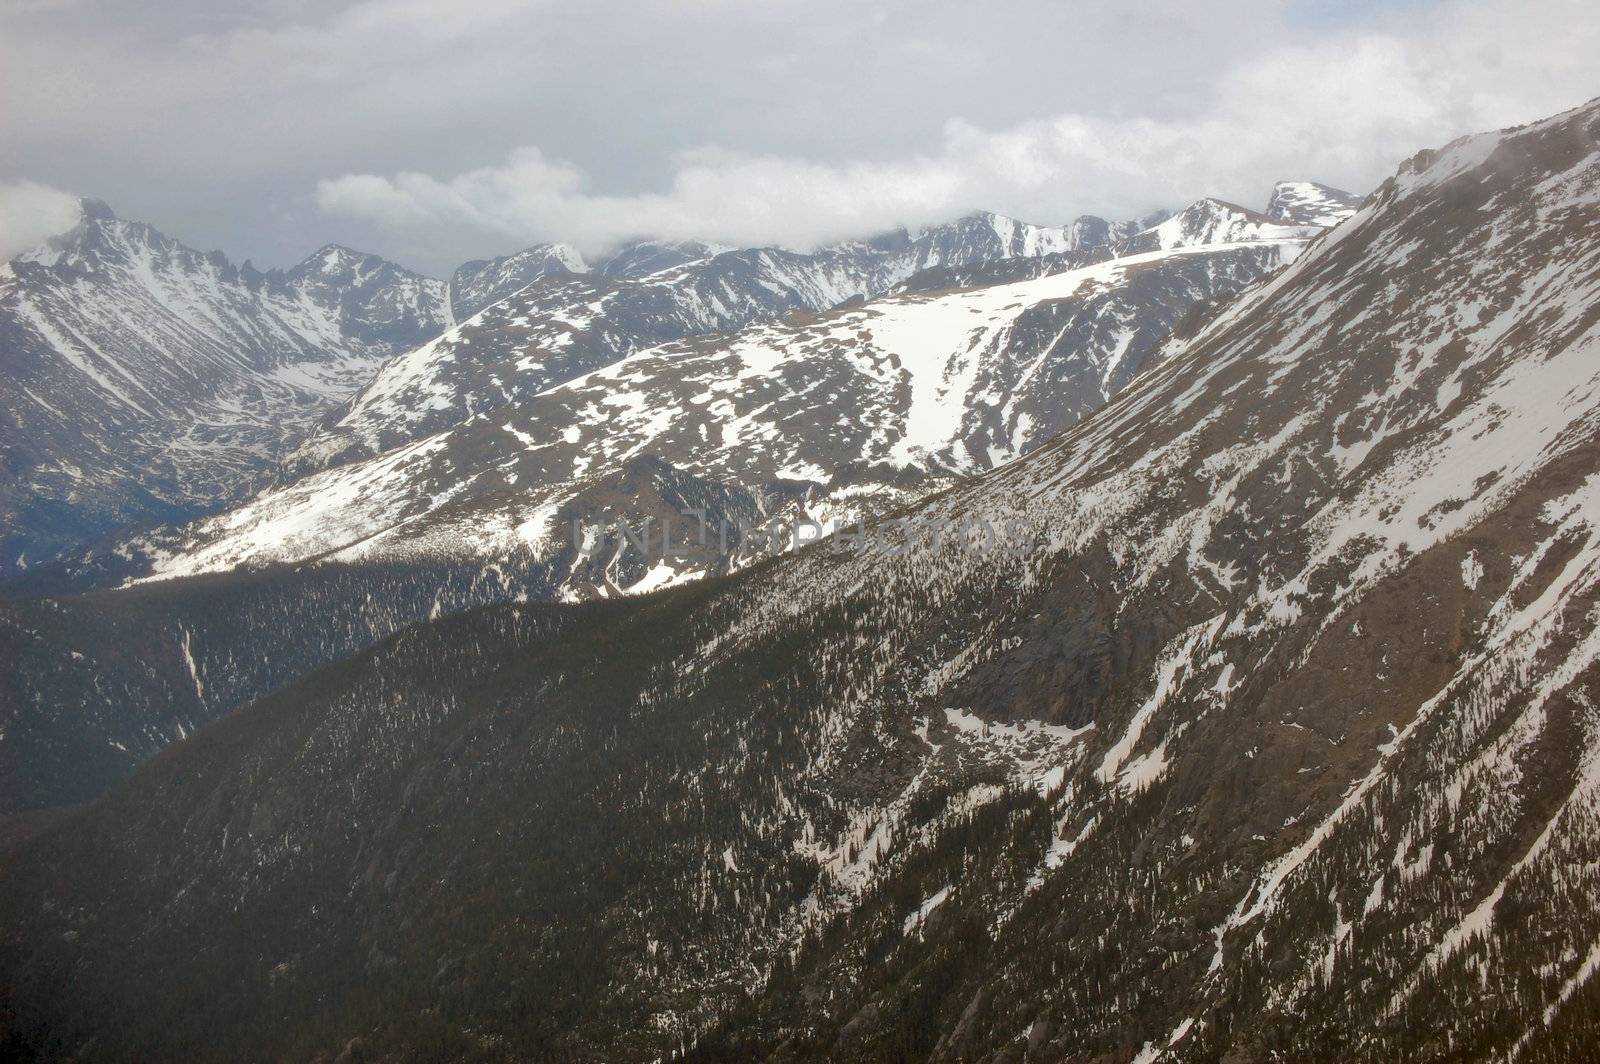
point(437, 130)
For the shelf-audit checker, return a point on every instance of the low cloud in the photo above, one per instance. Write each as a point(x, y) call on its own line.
point(31, 213)
point(1344, 110)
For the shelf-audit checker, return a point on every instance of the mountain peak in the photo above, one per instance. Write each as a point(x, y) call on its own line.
point(481, 282)
point(339, 263)
point(98, 237)
point(96, 210)
point(1214, 221)
point(334, 256)
point(556, 254)
point(1310, 203)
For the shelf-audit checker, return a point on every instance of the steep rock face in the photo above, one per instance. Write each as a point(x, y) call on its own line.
point(1252, 717)
point(835, 416)
point(144, 381)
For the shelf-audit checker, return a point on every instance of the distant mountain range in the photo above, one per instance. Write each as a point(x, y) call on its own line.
point(146, 382)
point(142, 381)
point(1251, 717)
point(500, 435)
point(554, 320)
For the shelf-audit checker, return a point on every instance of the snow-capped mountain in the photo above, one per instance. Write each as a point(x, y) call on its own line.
point(479, 283)
point(641, 258)
point(475, 285)
point(555, 320)
point(1308, 203)
point(141, 380)
point(1212, 221)
point(834, 416)
point(1251, 718)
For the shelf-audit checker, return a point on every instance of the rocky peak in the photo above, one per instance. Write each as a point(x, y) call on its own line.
point(1213, 221)
point(1310, 203)
point(477, 284)
point(641, 258)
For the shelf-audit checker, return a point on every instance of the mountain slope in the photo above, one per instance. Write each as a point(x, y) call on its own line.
point(552, 325)
point(848, 413)
point(145, 381)
point(1251, 718)
point(93, 685)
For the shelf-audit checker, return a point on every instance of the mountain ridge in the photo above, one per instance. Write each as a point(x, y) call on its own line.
point(553, 320)
point(146, 380)
point(983, 374)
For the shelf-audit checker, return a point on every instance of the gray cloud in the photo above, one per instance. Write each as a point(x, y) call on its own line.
point(434, 131)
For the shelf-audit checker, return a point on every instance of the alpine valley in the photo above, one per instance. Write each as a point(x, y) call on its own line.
point(1198, 658)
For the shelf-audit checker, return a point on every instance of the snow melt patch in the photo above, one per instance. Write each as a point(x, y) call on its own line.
point(919, 915)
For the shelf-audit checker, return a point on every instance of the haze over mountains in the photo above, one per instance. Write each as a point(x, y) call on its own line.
point(1249, 717)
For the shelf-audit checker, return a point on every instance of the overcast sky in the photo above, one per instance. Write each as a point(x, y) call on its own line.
point(432, 131)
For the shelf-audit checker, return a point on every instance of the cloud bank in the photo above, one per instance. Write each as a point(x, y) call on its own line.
point(31, 213)
point(1344, 111)
point(433, 130)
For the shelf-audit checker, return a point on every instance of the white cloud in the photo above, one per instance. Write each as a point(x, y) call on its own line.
point(782, 121)
point(1343, 110)
point(31, 213)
